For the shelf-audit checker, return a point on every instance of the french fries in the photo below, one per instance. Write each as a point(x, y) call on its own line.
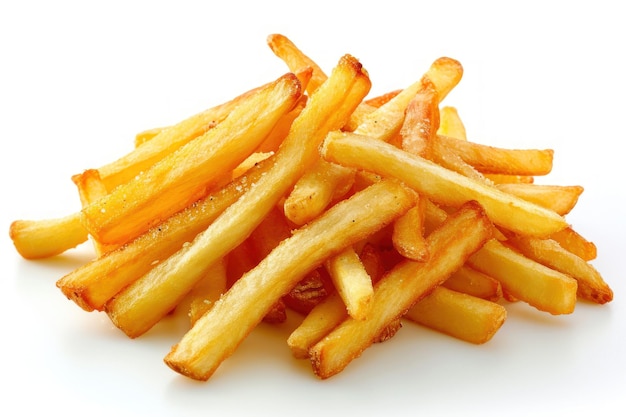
point(304, 196)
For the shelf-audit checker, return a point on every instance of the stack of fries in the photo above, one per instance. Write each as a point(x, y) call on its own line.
point(303, 195)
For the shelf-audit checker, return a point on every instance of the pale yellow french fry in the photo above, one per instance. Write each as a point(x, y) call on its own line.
point(489, 159)
point(216, 335)
point(295, 59)
point(440, 184)
point(147, 135)
point(402, 287)
point(143, 303)
point(560, 198)
point(90, 189)
point(352, 282)
point(450, 123)
point(527, 280)
point(37, 239)
point(184, 176)
point(591, 285)
point(470, 281)
point(463, 316)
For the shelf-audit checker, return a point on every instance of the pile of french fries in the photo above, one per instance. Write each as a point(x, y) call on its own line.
point(304, 195)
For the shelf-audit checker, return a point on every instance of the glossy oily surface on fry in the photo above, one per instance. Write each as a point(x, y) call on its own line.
point(79, 81)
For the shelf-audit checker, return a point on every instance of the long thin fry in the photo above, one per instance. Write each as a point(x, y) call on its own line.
point(439, 184)
point(217, 334)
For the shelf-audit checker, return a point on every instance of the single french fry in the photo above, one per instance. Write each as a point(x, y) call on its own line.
point(421, 120)
point(472, 282)
point(574, 242)
point(489, 159)
point(37, 239)
point(439, 184)
point(90, 189)
point(217, 334)
point(148, 134)
point(401, 288)
point(450, 123)
point(186, 175)
point(352, 282)
point(295, 59)
point(206, 292)
point(382, 99)
point(408, 233)
point(168, 139)
point(548, 252)
point(463, 316)
point(560, 198)
point(309, 291)
point(96, 282)
point(525, 279)
point(143, 303)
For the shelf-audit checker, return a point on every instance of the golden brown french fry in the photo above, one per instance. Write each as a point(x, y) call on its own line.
point(489, 159)
point(463, 316)
point(352, 282)
point(574, 242)
point(96, 282)
point(310, 291)
point(560, 198)
point(450, 124)
point(439, 184)
point(37, 239)
point(401, 288)
point(184, 176)
point(548, 252)
point(470, 281)
point(217, 334)
point(525, 279)
point(408, 233)
point(143, 303)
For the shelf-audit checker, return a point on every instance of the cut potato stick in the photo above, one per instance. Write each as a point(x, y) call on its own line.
point(143, 303)
point(295, 59)
point(186, 175)
point(525, 279)
point(510, 179)
point(310, 291)
point(149, 134)
point(90, 189)
point(548, 252)
point(450, 245)
point(382, 99)
point(574, 242)
point(439, 184)
point(463, 316)
point(96, 282)
point(37, 239)
point(352, 282)
point(206, 292)
point(559, 198)
point(472, 282)
point(421, 121)
point(217, 334)
point(489, 159)
point(450, 124)
point(408, 233)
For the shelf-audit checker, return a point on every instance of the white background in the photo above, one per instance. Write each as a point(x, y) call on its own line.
point(78, 80)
